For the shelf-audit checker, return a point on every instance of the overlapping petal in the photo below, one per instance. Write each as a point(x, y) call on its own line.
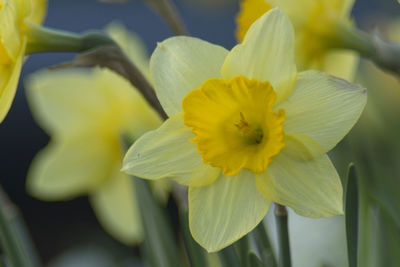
point(168, 153)
point(267, 53)
point(323, 107)
point(311, 187)
point(116, 208)
point(226, 210)
point(181, 64)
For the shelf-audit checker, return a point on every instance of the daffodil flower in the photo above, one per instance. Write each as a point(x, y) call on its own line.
point(245, 129)
point(87, 112)
point(316, 23)
point(15, 16)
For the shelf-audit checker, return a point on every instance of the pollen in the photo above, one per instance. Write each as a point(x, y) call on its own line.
point(234, 123)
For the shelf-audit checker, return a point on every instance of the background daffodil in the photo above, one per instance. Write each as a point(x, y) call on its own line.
point(315, 23)
point(15, 16)
point(245, 129)
point(87, 113)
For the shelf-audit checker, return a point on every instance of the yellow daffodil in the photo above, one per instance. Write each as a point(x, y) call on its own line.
point(15, 15)
point(316, 24)
point(245, 129)
point(87, 112)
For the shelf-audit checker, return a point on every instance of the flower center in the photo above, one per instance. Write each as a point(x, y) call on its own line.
point(251, 134)
point(234, 123)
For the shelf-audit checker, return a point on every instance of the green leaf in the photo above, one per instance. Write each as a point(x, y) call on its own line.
point(352, 204)
point(14, 237)
point(242, 249)
point(254, 261)
point(160, 247)
point(197, 255)
point(264, 245)
point(228, 257)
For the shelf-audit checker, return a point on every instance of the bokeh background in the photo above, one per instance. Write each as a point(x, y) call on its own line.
point(58, 227)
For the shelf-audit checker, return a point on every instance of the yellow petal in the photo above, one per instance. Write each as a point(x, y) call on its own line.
point(297, 12)
point(168, 153)
point(341, 63)
point(37, 11)
point(71, 167)
point(181, 64)
point(117, 209)
point(311, 188)
point(345, 7)
point(9, 77)
point(65, 101)
point(267, 53)
point(323, 107)
point(71, 101)
point(226, 210)
point(11, 40)
point(131, 44)
point(250, 11)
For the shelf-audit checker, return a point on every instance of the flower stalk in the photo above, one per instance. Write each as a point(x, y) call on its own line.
point(283, 236)
point(42, 39)
point(168, 11)
point(383, 53)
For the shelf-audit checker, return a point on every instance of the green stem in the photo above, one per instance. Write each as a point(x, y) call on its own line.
point(169, 12)
point(100, 50)
point(42, 39)
point(14, 238)
point(382, 52)
point(283, 235)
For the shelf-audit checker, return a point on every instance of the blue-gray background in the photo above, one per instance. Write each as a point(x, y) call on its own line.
point(57, 226)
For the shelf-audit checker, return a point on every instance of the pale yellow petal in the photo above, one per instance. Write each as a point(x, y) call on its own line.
point(341, 63)
point(226, 210)
point(67, 100)
point(79, 100)
point(9, 77)
point(181, 64)
point(71, 167)
point(311, 187)
point(117, 209)
point(267, 53)
point(168, 153)
point(323, 107)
